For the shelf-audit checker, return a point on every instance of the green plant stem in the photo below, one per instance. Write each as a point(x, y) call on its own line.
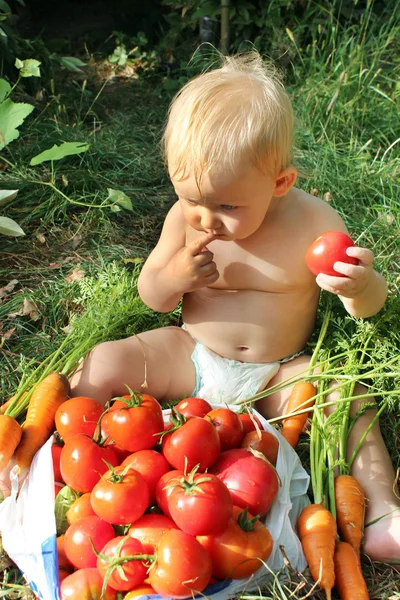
point(364, 435)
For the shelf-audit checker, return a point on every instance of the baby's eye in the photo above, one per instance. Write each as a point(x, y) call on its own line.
point(192, 202)
point(228, 207)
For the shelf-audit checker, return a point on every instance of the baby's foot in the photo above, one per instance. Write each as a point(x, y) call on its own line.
point(382, 539)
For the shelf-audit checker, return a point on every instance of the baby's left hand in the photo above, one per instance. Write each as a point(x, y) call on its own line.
point(356, 277)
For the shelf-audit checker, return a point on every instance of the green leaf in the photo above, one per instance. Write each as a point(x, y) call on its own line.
point(4, 7)
point(5, 88)
point(28, 67)
point(6, 196)
point(72, 64)
point(58, 152)
point(120, 198)
point(12, 115)
point(10, 227)
point(64, 499)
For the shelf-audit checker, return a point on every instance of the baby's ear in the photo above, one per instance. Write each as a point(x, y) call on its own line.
point(284, 181)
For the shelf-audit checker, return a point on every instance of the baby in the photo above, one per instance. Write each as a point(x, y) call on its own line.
point(232, 249)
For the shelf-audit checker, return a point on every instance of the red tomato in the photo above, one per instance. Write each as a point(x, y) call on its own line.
point(193, 407)
point(151, 465)
point(86, 584)
point(120, 498)
point(183, 566)
point(63, 562)
point(62, 574)
point(248, 422)
point(162, 490)
point(228, 426)
point(79, 537)
point(135, 425)
point(252, 481)
point(130, 573)
point(55, 454)
point(80, 508)
point(239, 550)
point(140, 590)
point(78, 415)
point(200, 504)
point(108, 440)
point(149, 529)
point(82, 462)
point(57, 488)
point(328, 248)
point(196, 441)
point(264, 441)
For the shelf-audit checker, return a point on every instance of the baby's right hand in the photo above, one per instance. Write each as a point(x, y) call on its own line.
point(193, 265)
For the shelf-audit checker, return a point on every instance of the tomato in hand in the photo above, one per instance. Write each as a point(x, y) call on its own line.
point(136, 422)
point(228, 426)
point(82, 462)
point(252, 481)
point(149, 529)
point(128, 574)
point(80, 536)
point(78, 415)
point(183, 566)
point(121, 496)
point(85, 584)
point(239, 550)
point(151, 465)
point(193, 407)
point(200, 504)
point(195, 441)
point(326, 250)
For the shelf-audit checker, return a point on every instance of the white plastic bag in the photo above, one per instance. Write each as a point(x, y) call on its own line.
point(28, 527)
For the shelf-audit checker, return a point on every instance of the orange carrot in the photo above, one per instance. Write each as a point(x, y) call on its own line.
point(51, 392)
point(349, 580)
point(350, 509)
point(4, 406)
point(317, 532)
point(299, 398)
point(10, 435)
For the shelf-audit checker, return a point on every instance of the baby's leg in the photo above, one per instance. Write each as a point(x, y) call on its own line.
point(372, 467)
point(111, 366)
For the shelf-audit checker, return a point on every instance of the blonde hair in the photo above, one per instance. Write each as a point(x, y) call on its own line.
point(226, 118)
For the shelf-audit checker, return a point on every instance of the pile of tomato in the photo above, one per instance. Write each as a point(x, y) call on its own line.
point(161, 507)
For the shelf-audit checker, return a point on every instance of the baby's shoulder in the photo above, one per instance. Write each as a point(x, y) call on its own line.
point(315, 214)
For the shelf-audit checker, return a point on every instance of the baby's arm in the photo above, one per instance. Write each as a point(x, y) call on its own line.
point(362, 290)
point(173, 269)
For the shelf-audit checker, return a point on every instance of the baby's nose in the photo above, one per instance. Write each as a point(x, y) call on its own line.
point(209, 220)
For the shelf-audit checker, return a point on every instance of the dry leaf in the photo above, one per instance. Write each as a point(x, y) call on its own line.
point(40, 237)
point(67, 329)
point(314, 191)
point(327, 197)
point(28, 309)
point(8, 334)
point(7, 289)
point(75, 275)
point(76, 240)
point(64, 180)
point(55, 265)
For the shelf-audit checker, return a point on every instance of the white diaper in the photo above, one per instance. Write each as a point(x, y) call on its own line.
point(223, 380)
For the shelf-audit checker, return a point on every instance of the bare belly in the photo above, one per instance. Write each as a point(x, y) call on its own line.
point(250, 325)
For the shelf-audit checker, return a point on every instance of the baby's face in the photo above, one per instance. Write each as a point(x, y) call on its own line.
point(232, 209)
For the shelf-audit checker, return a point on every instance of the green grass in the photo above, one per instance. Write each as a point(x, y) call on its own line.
point(345, 88)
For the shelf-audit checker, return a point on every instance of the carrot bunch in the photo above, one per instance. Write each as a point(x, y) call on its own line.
point(26, 440)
